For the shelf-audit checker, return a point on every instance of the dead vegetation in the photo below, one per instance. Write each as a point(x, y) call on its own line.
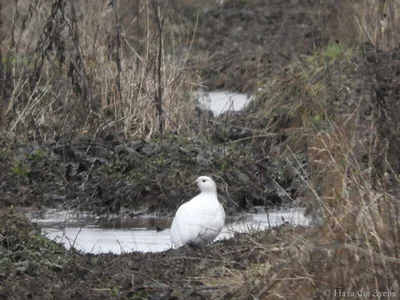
point(333, 114)
point(355, 248)
point(339, 111)
point(71, 66)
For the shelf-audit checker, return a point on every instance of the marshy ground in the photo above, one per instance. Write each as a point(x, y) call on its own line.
point(97, 113)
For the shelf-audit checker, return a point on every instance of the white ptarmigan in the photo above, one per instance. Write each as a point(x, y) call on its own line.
point(200, 220)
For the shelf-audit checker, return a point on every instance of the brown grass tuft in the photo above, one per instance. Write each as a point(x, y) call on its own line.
point(73, 66)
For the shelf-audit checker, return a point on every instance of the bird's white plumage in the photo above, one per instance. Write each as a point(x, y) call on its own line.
point(200, 220)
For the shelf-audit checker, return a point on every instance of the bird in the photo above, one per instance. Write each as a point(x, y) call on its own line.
point(199, 221)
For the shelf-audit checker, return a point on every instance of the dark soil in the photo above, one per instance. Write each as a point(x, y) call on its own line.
point(245, 43)
point(104, 175)
point(249, 41)
point(32, 267)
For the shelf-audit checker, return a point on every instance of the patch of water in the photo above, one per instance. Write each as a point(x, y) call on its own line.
point(96, 240)
point(100, 240)
point(54, 217)
point(221, 101)
point(73, 218)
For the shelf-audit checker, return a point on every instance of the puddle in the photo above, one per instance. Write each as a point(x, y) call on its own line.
point(100, 240)
point(73, 229)
point(221, 101)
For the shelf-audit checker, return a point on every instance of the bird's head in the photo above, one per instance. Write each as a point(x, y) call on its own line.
point(206, 184)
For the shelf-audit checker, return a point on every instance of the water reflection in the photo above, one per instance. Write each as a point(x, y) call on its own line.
point(221, 101)
point(93, 239)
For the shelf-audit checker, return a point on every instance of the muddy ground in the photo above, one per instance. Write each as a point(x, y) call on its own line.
point(109, 176)
point(244, 43)
point(240, 44)
point(32, 267)
point(103, 173)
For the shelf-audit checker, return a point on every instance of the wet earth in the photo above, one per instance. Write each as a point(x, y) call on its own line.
point(145, 233)
point(106, 175)
point(32, 267)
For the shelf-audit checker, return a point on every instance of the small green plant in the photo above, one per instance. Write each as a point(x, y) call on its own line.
point(114, 291)
point(335, 50)
point(36, 155)
point(5, 262)
point(140, 295)
point(318, 121)
point(224, 165)
point(44, 244)
point(159, 161)
point(20, 169)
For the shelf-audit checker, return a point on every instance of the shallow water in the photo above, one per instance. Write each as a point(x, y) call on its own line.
point(221, 101)
point(70, 229)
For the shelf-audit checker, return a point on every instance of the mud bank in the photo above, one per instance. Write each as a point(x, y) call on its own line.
point(33, 267)
point(105, 175)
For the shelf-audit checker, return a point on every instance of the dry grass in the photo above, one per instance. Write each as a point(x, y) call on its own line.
point(367, 21)
point(73, 66)
point(78, 66)
point(356, 247)
point(376, 22)
point(108, 75)
point(354, 252)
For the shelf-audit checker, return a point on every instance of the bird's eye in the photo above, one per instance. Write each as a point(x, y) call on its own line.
point(204, 180)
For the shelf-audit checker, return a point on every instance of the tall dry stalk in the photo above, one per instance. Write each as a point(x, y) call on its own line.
point(377, 21)
point(102, 70)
